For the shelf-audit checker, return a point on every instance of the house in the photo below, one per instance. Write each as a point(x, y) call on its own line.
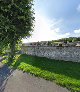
point(78, 44)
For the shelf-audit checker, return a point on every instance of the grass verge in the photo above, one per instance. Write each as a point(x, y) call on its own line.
point(66, 74)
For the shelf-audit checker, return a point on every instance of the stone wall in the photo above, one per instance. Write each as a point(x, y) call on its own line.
point(58, 53)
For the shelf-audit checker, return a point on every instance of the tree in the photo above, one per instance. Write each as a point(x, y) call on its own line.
point(16, 22)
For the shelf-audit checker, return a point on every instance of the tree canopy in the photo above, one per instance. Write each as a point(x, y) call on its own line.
point(16, 21)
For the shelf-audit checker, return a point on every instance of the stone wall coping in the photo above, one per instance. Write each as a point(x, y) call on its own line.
point(53, 46)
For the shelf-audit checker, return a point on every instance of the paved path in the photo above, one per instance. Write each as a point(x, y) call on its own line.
point(5, 72)
point(23, 82)
point(17, 81)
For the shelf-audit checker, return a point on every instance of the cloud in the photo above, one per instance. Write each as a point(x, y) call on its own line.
point(45, 30)
point(65, 35)
point(78, 8)
point(77, 31)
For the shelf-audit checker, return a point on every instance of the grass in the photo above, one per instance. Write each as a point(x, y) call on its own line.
point(64, 73)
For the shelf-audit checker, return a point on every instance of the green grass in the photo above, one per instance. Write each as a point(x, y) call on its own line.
point(64, 73)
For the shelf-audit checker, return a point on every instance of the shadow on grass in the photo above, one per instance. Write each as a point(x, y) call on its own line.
point(5, 72)
point(67, 68)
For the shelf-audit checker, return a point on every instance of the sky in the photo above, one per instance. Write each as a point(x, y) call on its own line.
point(55, 19)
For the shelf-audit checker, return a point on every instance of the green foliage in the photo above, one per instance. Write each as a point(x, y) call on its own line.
point(16, 22)
point(16, 19)
point(63, 73)
point(65, 40)
point(49, 43)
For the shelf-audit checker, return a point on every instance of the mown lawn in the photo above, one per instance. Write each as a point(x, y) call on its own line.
point(64, 73)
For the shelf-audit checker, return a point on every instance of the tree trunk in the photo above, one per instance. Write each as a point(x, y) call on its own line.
point(12, 51)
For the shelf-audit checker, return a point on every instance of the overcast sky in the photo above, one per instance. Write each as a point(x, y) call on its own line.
point(55, 19)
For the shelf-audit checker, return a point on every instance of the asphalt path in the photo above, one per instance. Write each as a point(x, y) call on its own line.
point(23, 82)
point(18, 81)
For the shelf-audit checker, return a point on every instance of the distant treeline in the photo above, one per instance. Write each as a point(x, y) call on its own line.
point(60, 42)
point(70, 39)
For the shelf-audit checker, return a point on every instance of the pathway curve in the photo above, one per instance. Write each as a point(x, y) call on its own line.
point(17, 81)
point(23, 82)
